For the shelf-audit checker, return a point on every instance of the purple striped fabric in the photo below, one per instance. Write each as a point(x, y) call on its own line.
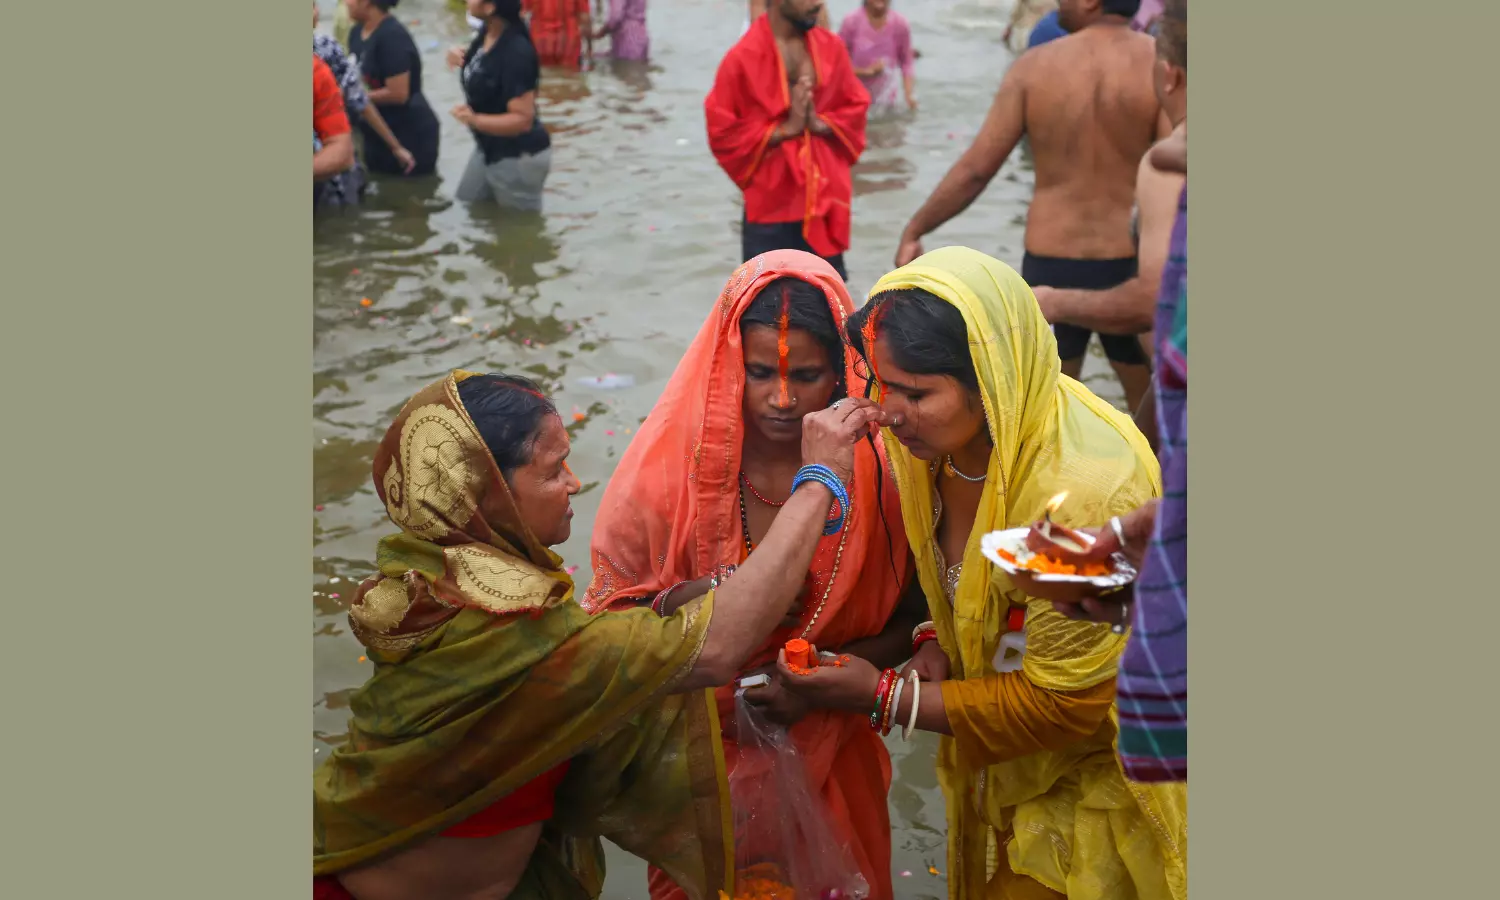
point(1152, 687)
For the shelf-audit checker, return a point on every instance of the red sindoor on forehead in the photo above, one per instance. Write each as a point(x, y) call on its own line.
point(868, 332)
point(783, 326)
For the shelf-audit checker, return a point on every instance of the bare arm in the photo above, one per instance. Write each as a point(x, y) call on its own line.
point(336, 156)
point(376, 121)
point(1002, 130)
point(1128, 308)
point(519, 114)
point(396, 91)
point(750, 604)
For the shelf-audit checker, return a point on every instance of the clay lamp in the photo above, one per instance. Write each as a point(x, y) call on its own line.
point(1054, 541)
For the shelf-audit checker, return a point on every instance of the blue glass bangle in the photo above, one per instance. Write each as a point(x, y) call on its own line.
point(826, 477)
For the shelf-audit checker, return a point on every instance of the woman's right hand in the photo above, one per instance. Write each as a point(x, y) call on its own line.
point(456, 57)
point(829, 435)
point(930, 662)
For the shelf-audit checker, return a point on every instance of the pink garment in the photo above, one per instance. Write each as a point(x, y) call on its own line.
point(891, 42)
point(628, 38)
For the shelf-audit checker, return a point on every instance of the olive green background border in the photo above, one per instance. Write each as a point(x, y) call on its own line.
point(157, 304)
point(1340, 312)
point(157, 329)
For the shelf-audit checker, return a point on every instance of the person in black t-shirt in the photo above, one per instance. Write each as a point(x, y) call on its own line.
point(393, 74)
point(499, 72)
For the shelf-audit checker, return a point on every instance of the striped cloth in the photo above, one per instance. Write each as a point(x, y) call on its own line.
point(1152, 699)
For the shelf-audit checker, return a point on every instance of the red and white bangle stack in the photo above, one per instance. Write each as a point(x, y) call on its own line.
point(888, 693)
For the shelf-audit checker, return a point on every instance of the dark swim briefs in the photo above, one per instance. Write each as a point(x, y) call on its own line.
point(1086, 275)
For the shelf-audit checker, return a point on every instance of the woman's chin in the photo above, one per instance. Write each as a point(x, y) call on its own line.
point(918, 449)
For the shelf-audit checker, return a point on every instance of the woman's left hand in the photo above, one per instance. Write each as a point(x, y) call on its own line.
point(463, 114)
point(849, 687)
point(1108, 609)
point(779, 705)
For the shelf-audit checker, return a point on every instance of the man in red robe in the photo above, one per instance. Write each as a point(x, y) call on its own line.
point(786, 121)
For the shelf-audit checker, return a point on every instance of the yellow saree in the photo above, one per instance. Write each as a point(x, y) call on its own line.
point(488, 674)
point(1067, 819)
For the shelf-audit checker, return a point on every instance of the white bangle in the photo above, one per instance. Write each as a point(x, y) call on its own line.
point(916, 701)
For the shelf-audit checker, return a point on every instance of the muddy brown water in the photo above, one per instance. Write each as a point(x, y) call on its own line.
point(637, 238)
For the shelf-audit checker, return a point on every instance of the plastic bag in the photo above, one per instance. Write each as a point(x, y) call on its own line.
point(784, 847)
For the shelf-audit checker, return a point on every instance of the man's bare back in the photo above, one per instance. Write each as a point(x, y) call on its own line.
point(1086, 104)
point(1090, 114)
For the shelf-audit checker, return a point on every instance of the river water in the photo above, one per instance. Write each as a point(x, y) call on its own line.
point(638, 236)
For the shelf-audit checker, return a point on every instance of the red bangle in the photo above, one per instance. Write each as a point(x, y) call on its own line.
point(921, 639)
point(890, 705)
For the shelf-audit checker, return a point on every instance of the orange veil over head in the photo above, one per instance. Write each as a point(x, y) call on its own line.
point(671, 514)
point(671, 510)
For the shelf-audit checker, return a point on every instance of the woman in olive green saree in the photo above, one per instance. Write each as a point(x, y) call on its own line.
point(505, 730)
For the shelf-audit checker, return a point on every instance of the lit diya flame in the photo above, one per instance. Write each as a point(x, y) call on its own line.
point(1056, 541)
point(1053, 505)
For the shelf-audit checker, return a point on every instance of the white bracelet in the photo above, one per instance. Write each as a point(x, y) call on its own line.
point(916, 701)
point(895, 705)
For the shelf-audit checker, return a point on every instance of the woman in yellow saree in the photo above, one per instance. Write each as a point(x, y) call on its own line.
point(504, 729)
point(988, 430)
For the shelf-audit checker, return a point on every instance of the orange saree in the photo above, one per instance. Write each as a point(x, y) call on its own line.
point(671, 514)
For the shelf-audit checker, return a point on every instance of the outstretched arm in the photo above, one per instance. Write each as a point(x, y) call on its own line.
point(972, 173)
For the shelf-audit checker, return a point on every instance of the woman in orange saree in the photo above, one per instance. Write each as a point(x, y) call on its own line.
point(704, 479)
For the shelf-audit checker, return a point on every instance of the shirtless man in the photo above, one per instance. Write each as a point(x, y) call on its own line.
point(1130, 308)
point(1087, 104)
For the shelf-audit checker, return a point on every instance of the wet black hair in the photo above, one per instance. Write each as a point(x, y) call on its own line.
point(1126, 8)
point(808, 312)
point(1171, 33)
point(508, 410)
point(926, 335)
point(384, 5)
point(509, 12)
